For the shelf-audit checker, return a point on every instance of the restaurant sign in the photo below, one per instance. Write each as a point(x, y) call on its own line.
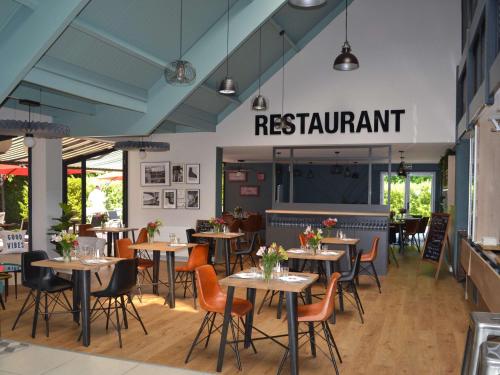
point(330, 122)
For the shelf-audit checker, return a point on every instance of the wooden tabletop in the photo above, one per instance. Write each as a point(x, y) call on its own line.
point(279, 285)
point(329, 255)
point(228, 235)
point(74, 265)
point(161, 246)
point(340, 241)
point(111, 229)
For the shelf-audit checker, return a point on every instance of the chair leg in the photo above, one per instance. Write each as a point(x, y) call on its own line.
point(376, 276)
point(210, 330)
point(1, 302)
point(124, 311)
point(391, 250)
point(198, 334)
point(235, 339)
point(330, 344)
point(281, 297)
point(37, 311)
point(263, 301)
point(137, 314)
point(358, 302)
point(46, 314)
point(283, 360)
point(98, 278)
point(118, 325)
point(241, 262)
point(22, 311)
point(108, 315)
point(195, 291)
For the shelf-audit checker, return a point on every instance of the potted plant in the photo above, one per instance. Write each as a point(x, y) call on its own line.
point(313, 237)
point(67, 242)
point(328, 224)
point(102, 218)
point(64, 223)
point(271, 257)
point(153, 228)
point(217, 223)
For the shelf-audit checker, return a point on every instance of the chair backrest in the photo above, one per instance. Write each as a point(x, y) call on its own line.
point(411, 226)
point(95, 222)
point(189, 235)
point(355, 267)
point(422, 224)
point(30, 274)
point(302, 239)
point(198, 256)
point(228, 218)
point(372, 254)
point(122, 249)
point(235, 226)
point(209, 290)
point(329, 301)
point(113, 215)
point(252, 223)
point(124, 277)
point(83, 230)
point(143, 236)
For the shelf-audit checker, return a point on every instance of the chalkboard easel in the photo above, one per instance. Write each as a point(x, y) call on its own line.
point(437, 238)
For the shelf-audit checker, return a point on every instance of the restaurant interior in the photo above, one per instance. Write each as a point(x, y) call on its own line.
point(249, 186)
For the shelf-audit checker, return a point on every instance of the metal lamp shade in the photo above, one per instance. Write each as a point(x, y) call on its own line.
point(227, 86)
point(180, 73)
point(402, 169)
point(142, 146)
point(306, 3)
point(35, 128)
point(259, 103)
point(346, 61)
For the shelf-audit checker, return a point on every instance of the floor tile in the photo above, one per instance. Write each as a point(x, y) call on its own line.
point(146, 369)
point(85, 364)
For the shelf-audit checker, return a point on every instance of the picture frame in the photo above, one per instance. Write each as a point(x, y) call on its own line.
point(261, 176)
point(178, 173)
point(155, 173)
point(237, 176)
point(181, 198)
point(151, 199)
point(169, 198)
point(192, 173)
point(192, 199)
point(249, 191)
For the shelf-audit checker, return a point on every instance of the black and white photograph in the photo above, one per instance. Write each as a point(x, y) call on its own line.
point(151, 199)
point(192, 173)
point(169, 198)
point(193, 199)
point(177, 173)
point(155, 174)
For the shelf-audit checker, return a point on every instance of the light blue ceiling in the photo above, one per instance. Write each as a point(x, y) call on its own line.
point(101, 70)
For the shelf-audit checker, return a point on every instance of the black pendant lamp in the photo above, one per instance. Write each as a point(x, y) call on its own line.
point(346, 61)
point(227, 85)
point(336, 169)
point(306, 3)
point(259, 102)
point(284, 122)
point(402, 168)
point(180, 72)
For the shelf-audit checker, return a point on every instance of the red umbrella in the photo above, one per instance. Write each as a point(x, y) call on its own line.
point(18, 170)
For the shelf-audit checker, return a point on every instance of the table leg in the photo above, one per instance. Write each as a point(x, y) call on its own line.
point(311, 324)
point(251, 292)
point(6, 289)
point(85, 306)
point(76, 296)
point(329, 271)
point(116, 237)
point(225, 326)
point(341, 297)
point(293, 338)
point(133, 236)
point(109, 236)
point(227, 249)
point(156, 271)
point(15, 283)
point(171, 279)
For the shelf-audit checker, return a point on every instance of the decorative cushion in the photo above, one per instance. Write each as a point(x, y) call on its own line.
point(13, 242)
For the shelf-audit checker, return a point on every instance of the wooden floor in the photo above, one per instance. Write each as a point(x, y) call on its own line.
point(416, 326)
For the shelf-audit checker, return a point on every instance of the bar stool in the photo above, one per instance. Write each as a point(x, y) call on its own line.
point(481, 326)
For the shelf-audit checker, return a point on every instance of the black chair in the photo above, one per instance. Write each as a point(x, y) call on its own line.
point(422, 227)
point(211, 244)
point(246, 251)
point(347, 285)
point(123, 281)
point(41, 280)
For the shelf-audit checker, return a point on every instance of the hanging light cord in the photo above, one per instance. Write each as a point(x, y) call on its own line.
point(346, 22)
point(260, 55)
point(227, 42)
point(180, 43)
point(283, 75)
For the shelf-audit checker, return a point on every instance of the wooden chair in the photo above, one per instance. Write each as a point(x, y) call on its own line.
point(411, 229)
point(422, 227)
point(83, 230)
point(185, 275)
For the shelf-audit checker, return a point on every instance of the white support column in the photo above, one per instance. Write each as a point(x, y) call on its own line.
point(47, 189)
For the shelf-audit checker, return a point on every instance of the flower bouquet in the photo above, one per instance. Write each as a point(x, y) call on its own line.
point(313, 237)
point(102, 218)
point(328, 224)
point(66, 242)
point(271, 257)
point(217, 223)
point(153, 228)
point(238, 212)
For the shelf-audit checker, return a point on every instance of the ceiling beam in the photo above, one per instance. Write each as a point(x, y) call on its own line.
point(186, 119)
point(32, 38)
point(206, 55)
point(32, 4)
point(279, 28)
point(118, 43)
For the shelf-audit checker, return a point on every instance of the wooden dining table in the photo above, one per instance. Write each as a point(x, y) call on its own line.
point(113, 234)
point(169, 249)
point(290, 288)
point(81, 289)
point(226, 237)
point(349, 244)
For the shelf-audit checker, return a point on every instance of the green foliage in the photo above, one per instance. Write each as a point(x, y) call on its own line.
point(75, 194)
point(16, 198)
point(64, 221)
point(420, 194)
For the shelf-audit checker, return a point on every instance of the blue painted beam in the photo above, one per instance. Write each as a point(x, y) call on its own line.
point(206, 55)
point(32, 38)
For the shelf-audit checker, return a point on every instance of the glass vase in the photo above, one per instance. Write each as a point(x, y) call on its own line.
point(268, 270)
point(151, 238)
point(66, 252)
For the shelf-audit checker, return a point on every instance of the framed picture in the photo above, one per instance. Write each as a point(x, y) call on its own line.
point(177, 173)
point(151, 199)
point(237, 176)
point(192, 173)
point(249, 191)
point(192, 199)
point(169, 198)
point(261, 176)
point(181, 198)
point(155, 174)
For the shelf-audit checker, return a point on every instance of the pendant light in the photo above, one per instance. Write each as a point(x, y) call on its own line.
point(347, 172)
point(227, 85)
point(310, 173)
point(402, 168)
point(306, 3)
point(336, 169)
point(142, 146)
point(180, 72)
point(284, 123)
point(346, 61)
point(259, 102)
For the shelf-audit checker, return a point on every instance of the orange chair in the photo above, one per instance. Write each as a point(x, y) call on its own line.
point(302, 239)
point(185, 274)
point(83, 230)
point(315, 315)
point(143, 236)
point(143, 265)
point(213, 300)
point(367, 260)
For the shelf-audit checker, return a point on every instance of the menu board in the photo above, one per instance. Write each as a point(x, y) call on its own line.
point(437, 237)
point(203, 226)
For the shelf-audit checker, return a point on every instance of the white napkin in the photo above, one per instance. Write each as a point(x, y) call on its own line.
point(296, 251)
point(293, 278)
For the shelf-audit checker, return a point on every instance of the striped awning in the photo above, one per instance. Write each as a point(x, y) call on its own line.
point(71, 148)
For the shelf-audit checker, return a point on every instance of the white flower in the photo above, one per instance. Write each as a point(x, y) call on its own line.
point(261, 251)
point(320, 231)
point(56, 238)
point(308, 229)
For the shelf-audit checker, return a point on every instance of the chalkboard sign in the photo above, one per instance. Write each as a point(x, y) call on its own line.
point(437, 238)
point(203, 226)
